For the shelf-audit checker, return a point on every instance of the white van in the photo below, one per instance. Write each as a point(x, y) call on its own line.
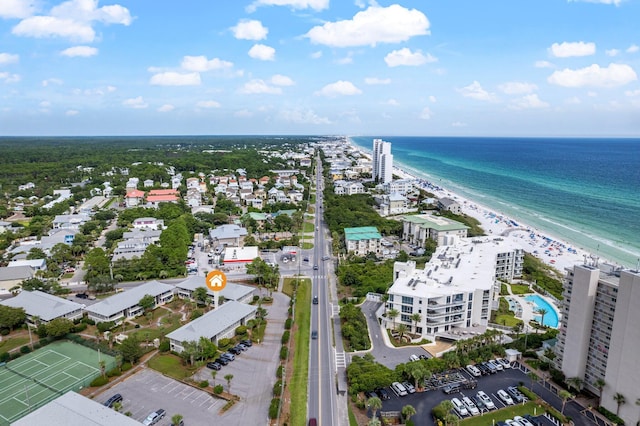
point(473, 370)
point(460, 407)
point(414, 357)
point(399, 389)
point(471, 407)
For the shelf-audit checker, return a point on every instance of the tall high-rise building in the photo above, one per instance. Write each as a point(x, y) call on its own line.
point(599, 335)
point(382, 161)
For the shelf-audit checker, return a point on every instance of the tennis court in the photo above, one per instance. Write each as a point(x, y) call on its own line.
point(36, 378)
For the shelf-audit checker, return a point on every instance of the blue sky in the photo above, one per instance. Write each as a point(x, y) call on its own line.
point(405, 67)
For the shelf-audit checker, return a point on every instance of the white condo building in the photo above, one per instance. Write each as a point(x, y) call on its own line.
point(599, 335)
point(382, 161)
point(456, 289)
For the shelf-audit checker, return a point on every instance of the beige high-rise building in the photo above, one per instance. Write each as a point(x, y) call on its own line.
point(600, 334)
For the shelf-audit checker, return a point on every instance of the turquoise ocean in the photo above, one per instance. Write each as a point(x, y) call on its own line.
point(581, 190)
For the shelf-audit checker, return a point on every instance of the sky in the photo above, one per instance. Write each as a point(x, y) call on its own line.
point(320, 67)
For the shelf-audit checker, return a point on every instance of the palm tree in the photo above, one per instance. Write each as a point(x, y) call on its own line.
point(393, 314)
point(176, 419)
point(402, 330)
point(542, 312)
point(375, 404)
point(575, 383)
point(620, 400)
point(228, 378)
point(564, 395)
point(408, 411)
point(374, 422)
point(533, 376)
point(103, 367)
point(600, 384)
point(213, 376)
point(416, 318)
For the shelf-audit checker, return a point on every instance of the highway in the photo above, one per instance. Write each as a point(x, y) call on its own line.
point(322, 402)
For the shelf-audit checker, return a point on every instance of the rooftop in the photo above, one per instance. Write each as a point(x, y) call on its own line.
point(438, 223)
point(121, 301)
point(362, 233)
point(231, 291)
point(43, 305)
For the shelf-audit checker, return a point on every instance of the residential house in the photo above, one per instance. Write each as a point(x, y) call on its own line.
point(13, 276)
point(148, 223)
point(27, 186)
point(229, 235)
point(148, 183)
point(70, 221)
point(157, 196)
point(35, 264)
point(193, 197)
point(450, 205)
point(134, 198)
point(42, 307)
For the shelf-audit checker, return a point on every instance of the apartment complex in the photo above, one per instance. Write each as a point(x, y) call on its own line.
point(362, 240)
point(417, 229)
point(382, 161)
point(599, 335)
point(456, 289)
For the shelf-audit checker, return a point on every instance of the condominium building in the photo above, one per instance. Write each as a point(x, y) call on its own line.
point(382, 161)
point(455, 290)
point(417, 229)
point(599, 335)
point(362, 240)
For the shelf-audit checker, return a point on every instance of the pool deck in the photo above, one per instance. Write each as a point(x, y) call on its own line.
point(525, 310)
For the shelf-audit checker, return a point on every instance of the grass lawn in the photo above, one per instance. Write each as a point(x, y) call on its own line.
point(307, 227)
point(507, 320)
point(506, 413)
point(171, 365)
point(503, 290)
point(9, 343)
point(298, 385)
point(288, 284)
point(170, 322)
point(520, 289)
point(307, 246)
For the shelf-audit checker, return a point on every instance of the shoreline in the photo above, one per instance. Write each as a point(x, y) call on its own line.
point(556, 252)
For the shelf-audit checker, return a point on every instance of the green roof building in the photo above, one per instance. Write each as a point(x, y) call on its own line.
point(362, 240)
point(417, 229)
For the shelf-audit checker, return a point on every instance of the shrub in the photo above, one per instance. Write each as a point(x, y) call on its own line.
point(79, 327)
point(203, 383)
point(241, 330)
point(273, 408)
point(99, 381)
point(105, 326)
point(256, 297)
point(280, 371)
point(4, 357)
point(196, 314)
point(277, 388)
point(284, 351)
point(285, 336)
point(126, 366)
point(36, 346)
point(41, 331)
point(218, 389)
point(88, 320)
point(224, 343)
point(25, 349)
point(164, 346)
point(287, 323)
point(252, 324)
point(5, 331)
point(113, 373)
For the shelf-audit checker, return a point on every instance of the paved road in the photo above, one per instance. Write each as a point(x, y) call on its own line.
point(384, 354)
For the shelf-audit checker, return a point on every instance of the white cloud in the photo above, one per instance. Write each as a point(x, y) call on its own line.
point(543, 64)
point(426, 113)
point(262, 52)
point(208, 104)
point(376, 80)
point(44, 104)
point(574, 100)
point(632, 93)
point(570, 49)
point(10, 78)
point(316, 55)
point(528, 101)
point(8, 58)
point(12, 9)
point(433, 99)
point(633, 48)
point(458, 124)
point(303, 117)
point(49, 81)
point(137, 103)
point(243, 113)
point(392, 102)
point(360, 4)
point(346, 60)
point(517, 87)
point(73, 19)
point(166, 108)
point(615, 2)
point(612, 52)
point(338, 88)
point(593, 75)
point(202, 64)
point(369, 27)
point(250, 29)
point(406, 57)
point(316, 5)
point(258, 86)
point(282, 80)
point(475, 91)
point(171, 78)
point(83, 51)
point(71, 112)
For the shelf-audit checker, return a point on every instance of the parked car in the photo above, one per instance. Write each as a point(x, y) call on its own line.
point(516, 395)
point(229, 356)
point(496, 364)
point(483, 369)
point(478, 403)
point(315, 267)
point(486, 400)
point(154, 417)
point(471, 406)
point(504, 362)
point(370, 394)
point(235, 350)
point(492, 368)
point(399, 389)
point(247, 342)
point(504, 396)
point(473, 370)
point(214, 365)
point(222, 361)
point(413, 357)
point(242, 346)
point(383, 394)
point(325, 257)
point(523, 421)
point(452, 388)
point(410, 388)
point(460, 408)
point(115, 398)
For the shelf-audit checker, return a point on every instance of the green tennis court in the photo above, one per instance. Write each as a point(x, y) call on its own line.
point(36, 378)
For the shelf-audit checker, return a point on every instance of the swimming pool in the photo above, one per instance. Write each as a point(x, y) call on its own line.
point(551, 317)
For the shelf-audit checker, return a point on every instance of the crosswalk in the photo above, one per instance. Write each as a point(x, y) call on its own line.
point(341, 359)
point(335, 310)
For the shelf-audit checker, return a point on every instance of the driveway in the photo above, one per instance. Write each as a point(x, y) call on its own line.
point(383, 352)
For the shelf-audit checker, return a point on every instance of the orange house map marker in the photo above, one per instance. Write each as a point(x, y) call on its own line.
point(216, 280)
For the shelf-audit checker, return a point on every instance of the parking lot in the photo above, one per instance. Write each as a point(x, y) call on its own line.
point(147, 391)
point(424, 402)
